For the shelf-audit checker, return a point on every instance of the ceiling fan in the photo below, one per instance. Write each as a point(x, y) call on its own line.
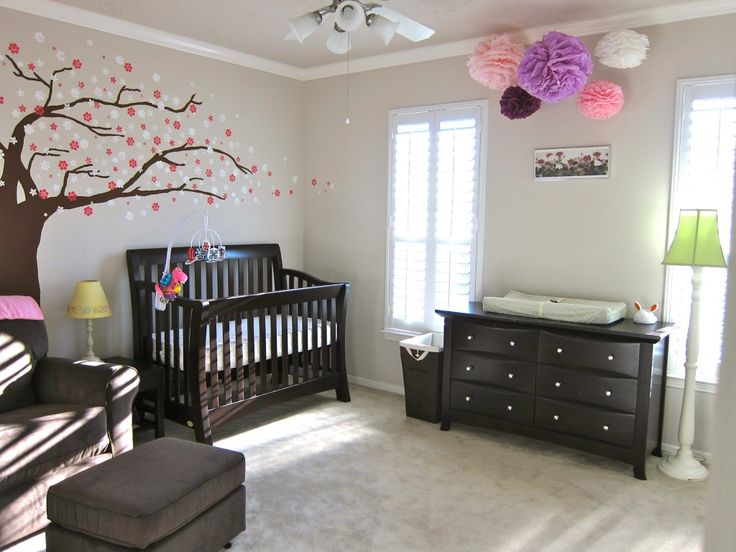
point(349, 16)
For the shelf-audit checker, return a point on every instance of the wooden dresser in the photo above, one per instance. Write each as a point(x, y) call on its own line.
point(591, 387)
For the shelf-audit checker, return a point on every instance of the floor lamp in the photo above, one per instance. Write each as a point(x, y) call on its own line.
point(696, 244)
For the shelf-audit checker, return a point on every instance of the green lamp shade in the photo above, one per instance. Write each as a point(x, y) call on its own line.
point(696, 240)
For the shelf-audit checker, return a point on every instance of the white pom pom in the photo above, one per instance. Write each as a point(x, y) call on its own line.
point(622, 49)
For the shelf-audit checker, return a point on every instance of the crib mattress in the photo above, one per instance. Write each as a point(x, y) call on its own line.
point(564, 309)
point(231, 345)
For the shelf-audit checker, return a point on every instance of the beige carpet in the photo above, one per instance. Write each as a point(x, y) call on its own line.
point(328, 476)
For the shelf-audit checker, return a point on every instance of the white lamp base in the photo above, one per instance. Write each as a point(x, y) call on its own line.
point(93, 358)
point(683, 467)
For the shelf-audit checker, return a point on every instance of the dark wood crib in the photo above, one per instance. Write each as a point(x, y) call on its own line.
point(247, 333)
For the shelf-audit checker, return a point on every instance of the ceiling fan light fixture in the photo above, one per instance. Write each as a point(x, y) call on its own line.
point(338, 42)
point(349, 15)
point(304, 25)
point(384, 28)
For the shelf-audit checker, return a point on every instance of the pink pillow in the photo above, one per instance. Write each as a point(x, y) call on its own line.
point(19, 307)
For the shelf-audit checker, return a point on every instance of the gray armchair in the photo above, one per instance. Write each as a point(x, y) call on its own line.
point(57, 418)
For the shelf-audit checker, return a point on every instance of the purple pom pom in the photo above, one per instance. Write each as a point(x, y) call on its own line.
point(556, 67)
point(517, 103)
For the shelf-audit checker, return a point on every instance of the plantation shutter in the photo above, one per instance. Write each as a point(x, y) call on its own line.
point(433, 214)
point(704, 178)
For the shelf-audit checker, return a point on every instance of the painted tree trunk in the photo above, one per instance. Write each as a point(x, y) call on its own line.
point(20, 227)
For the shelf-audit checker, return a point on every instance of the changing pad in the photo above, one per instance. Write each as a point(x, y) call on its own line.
point(565, 309)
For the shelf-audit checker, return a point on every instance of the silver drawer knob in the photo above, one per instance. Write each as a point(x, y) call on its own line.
point(608, 393)
point(511, 375)
point(509, 408)
point(605, 428)
point(468, 368)
point(470, 338)
point(467, 398)
point(558, 384)
point(555, 417)
point(559, 350)
point(512, 343)
point(611, 357)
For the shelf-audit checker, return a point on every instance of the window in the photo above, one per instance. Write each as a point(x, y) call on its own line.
point(435, 167)
point(703, 177)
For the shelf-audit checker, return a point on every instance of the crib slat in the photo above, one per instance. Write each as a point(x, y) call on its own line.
point(304, 319)
point(174, 370)
point(214, 372)
point(285, 345)
point(187, 328)
point(315, 351)
point(295, 342)
point(252, 384)
point(227, 364)
point(273, 363)
point(262, 363)
point(239, 376)
point(333, 335)
point(323, 352)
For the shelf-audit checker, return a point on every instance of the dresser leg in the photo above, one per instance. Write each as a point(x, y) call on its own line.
point(640, 470)
point(445, 424)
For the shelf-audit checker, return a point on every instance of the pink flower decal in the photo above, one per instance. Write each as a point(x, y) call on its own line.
point(190, 141)
point(76, 64)
point(155, 206)
point(193, 108)
point(157, 94)
point(270, 173)
point(228, 132)
point(232, 178)
point(88, 211)
point(314, 182)
point(71, 196)
point(133, 163)
point(2, 100)
point(88, 160)
point(43, 193)
point(108, 151)
point(38, 110)
point(128, 67)
point(74, 145)
point(111, 185)
point(13, 48)
point(277, 192)
point(250, 190)
point(157, 140)
point(172, 167)
point(254, 169)
point(130, 140)
point(87, 116)
point(81, 85)
point(208, 173)
point(291, 192)
point(131, 111)
point(177, 125)
point(113, 79)
point(33, 147)
point(63, 165)
point(53, 126)
point(31, 66)
point(22, 108)
point(210, 200)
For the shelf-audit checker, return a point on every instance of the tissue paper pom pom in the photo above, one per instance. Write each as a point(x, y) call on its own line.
point(622, 49)
point(495, 62)
point(556, 67)
point(600, 100)
point(517, 103)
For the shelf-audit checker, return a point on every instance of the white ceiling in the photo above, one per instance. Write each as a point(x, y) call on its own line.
point(251, 32)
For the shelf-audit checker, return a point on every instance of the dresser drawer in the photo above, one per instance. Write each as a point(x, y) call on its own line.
point(577, 385)
point(516, 375)
point(507, 405)
point(507, 342)
point(610, 427)
point(609, 356)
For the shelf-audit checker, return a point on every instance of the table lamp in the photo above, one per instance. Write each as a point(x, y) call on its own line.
point(696, 244)
point(87, 303)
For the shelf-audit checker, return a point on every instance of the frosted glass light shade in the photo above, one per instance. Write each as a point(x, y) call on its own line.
point(338, 42)
point(696, 240)
point(349, 15)
point(88, 301)
point(304, 25)
point(384, 28)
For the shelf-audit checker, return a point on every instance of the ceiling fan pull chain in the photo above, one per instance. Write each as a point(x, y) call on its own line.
point(347, 85)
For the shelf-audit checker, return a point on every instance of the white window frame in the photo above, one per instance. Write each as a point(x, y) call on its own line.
point(674, 207)
point(478, 246)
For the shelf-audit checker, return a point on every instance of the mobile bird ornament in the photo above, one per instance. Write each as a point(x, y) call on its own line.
point(205, 245)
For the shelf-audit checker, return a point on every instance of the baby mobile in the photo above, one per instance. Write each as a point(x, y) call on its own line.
point(208, 248)
point(555, 68)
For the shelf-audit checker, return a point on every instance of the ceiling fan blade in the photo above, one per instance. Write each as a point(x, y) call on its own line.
point(409, 28)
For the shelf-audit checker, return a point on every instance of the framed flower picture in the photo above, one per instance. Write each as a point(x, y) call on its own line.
point(563, 163)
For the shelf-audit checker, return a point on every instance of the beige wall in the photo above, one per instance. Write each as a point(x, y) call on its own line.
point(589, 238)
point(262, 110)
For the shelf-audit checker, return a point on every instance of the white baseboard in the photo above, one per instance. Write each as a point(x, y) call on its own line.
point(375, 384)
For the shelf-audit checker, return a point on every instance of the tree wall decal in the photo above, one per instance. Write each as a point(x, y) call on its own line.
point(84, 141)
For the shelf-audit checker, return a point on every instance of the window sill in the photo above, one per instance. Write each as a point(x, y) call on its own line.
point(393, 334)
point(701, 386)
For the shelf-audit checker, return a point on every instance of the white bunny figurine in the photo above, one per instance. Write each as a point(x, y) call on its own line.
point(642, 316)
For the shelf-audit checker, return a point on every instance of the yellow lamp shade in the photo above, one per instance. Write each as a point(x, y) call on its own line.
point(696, 240)
point(88, 301)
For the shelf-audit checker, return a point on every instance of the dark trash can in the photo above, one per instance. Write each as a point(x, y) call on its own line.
point(421, 362)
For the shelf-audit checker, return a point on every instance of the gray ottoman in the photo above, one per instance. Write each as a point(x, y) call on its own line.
point(166, 495)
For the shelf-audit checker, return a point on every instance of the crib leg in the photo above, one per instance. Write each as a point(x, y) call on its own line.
point(341, 389)
point(228, 546)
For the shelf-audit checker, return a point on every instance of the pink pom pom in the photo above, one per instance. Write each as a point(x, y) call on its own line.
point(600, 100)
point(495, 62)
